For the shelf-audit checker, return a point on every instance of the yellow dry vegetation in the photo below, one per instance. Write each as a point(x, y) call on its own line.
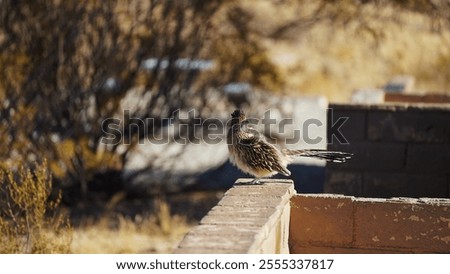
point(128, 235)
point(158, 227)
point(30, 220)
point(332, 58)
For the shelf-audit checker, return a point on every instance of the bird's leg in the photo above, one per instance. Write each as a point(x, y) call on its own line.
point(256, 181)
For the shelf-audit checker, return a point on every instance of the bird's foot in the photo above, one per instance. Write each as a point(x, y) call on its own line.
point(256, 181)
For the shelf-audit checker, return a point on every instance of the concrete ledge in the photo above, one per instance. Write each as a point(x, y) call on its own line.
point(327, 223)
point(248, 219)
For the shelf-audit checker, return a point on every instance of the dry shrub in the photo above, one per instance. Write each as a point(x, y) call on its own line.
point(30, 221)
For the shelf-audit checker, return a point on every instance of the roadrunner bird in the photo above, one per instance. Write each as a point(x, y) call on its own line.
point(254, 155)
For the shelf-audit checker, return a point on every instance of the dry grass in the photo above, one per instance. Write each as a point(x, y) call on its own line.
point(138, 235)
point(144, 225)
point(333, 59)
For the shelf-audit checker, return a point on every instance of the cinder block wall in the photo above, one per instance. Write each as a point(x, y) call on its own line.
point(400, 150)
point(325, 223)
point(248, 219)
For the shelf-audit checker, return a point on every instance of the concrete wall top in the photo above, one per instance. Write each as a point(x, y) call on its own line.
point(248, 219)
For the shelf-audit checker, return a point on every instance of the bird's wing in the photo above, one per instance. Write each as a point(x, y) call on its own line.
point(259, 154)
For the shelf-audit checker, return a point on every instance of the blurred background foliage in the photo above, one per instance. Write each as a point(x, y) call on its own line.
point(67, 66)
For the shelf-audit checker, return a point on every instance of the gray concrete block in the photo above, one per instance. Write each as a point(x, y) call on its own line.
point(428, 158)
point(226, 211)
point(371, 156)
point(448, 185)
point(233, 220)
point(343, 182)
point(354, 127)
point(230, 230)
point(211, 250)
point(250, 201)
point(418, 125)
point(216, 242)
point(248, 219)
point(277, 188)
point(404, 185)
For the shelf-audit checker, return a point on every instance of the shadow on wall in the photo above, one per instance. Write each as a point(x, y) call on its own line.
point(307, 178)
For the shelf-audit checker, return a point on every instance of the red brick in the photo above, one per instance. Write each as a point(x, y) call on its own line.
point(342, 250)
point(405, 224)
point(324, 219)
point(410, 98)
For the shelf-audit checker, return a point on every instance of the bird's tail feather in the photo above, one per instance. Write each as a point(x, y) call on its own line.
point(334, 156)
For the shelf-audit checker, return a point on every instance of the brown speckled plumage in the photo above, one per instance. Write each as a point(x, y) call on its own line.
point(255, 156)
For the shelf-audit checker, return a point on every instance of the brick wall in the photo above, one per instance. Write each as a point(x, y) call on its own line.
point(248, 219)
point(400, 150)
point(324, 223)
point(415, 98)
